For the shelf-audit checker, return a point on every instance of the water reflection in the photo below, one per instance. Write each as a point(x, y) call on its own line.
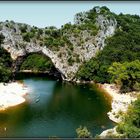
point(61, 108)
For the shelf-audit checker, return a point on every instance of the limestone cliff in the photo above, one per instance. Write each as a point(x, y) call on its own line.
point(84, 45)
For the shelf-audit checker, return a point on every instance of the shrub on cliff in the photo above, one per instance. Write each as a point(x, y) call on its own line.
point(83, 132)
point(1, 38)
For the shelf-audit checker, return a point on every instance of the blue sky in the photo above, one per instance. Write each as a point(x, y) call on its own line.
point(44, 14)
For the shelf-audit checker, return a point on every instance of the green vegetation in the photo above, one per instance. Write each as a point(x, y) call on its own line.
point(23, 28)
point(54, 38)
point(27, 36)
point(37, 63)
point(5, 63)
point(82, 132)
point(127, 75)
point(30, 33)
point(130, 125)
point(122, 47)
point(1, 38)
point(71, 61)
point(5, 73)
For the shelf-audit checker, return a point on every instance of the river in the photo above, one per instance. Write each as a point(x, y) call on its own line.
point(54, 108)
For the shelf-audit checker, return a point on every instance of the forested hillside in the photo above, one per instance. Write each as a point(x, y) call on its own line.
point(84, 50)
point(5, 63)
point(124, 46)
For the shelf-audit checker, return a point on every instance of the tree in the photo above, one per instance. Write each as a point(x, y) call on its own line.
point(23, 28)
point(83, 132)
point(126, 75)
point(130, 125)
point(37, 62)
point(5, 63)
point(5, 73)
point(26, 37)
point(1, 38)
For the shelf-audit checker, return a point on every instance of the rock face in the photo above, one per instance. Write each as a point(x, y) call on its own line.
point(17, 47)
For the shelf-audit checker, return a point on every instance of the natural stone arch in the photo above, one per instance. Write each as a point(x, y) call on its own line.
point(17, 47)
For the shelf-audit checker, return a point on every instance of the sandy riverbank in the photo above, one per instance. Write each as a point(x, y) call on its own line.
point(12, 94)
point(120, 103)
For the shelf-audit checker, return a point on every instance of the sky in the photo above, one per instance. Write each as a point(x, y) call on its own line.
point(52, 13)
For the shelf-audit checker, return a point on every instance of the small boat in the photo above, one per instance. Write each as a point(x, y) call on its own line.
point(37, 100)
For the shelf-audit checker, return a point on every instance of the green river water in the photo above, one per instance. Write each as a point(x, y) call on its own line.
point(54, 108)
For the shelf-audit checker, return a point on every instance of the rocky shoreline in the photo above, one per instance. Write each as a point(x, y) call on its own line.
point(120, 103)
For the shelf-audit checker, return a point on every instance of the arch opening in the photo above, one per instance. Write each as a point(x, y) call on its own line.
point(35, 64)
